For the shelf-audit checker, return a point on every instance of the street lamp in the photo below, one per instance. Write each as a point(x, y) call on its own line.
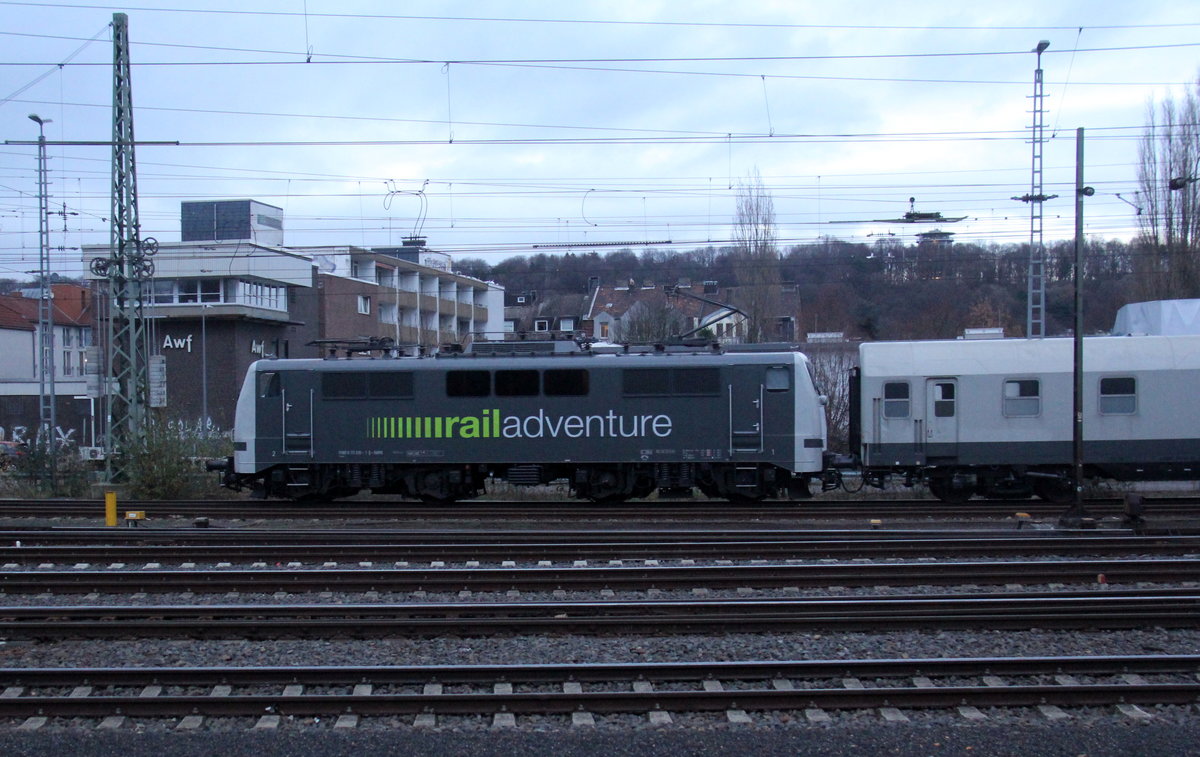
point(204, 366)
point(1179, 182)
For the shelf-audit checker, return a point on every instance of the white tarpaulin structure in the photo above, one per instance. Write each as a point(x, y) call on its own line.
point(1158, 318)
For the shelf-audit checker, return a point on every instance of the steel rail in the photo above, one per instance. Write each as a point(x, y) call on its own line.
point(166, 545)
point(573, 509)
point(634, 578)
point(1113, 609)
point(712, 698)
point(584, 672)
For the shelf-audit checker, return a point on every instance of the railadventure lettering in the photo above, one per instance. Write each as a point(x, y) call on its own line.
point(490, 425)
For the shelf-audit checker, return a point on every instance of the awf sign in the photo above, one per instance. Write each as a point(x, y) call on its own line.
point(177, 343)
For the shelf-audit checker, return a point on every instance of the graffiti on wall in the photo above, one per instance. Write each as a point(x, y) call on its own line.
point(21, 435)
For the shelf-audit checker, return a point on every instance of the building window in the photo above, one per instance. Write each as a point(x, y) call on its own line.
point(510, 327)
point(1118, 396)
point(566, 324)
point(66, 336)
point(68, 365)
point(896, 399)
point(364, 304)
point(1022, 398)
point(604, 331)
point(541, 324)
point(387, 312)
point(192, 291)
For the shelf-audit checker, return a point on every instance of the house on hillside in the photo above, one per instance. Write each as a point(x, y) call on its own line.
point(615, 311)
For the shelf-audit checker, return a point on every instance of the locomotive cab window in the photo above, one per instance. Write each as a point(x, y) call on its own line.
point(1022, 398)
point(1118, 395)
point(777, 379)
point(565, 382)
point(517, 384)
point(468, 383)
point(268, 384)
point(895, 399)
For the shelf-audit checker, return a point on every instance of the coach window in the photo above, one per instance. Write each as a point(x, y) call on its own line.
point(343, 386)
point(943, 400)
point(468, 383)
point(566, 382)
point(1118, 396)
point(517, 384)
point(778, 379)
point(390, 385)
point(1022, 397)
point(268, 384)
point(895, 399)
point(696, 381)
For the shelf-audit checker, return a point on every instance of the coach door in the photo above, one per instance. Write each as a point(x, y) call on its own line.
point(941, 418)
point(297, 399)
point(746, 409)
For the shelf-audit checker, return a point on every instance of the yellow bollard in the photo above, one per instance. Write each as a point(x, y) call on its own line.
point(110, 508)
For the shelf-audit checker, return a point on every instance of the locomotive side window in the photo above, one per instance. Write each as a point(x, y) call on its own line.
point(389, 385)
point(468, 383)
point(1118, 396)
point(696, 380)
point(268, 384)
point(895, 399)
point(1022, 397)
point(778, 379)
point(658, 382)
point(566, 382)
point(517, 383)
point(343, 386)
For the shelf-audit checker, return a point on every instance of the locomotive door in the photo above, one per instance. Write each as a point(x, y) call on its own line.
point(941, 418)
point(746, 409)
point(296, 411)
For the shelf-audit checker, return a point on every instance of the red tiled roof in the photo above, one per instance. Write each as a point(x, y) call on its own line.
point(12, 319)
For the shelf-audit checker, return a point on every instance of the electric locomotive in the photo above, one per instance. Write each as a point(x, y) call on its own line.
point(736, 424)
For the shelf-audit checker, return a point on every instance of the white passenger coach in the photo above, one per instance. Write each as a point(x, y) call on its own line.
point(994, 417)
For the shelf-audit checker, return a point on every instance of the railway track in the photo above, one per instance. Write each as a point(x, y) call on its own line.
point(1164, 608)
point(292, 579)
point(250, 509)
point(584, 690)
point(34, 547)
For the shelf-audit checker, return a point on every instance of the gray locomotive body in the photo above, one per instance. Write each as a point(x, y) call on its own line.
point(995, 417)
point(742, 425)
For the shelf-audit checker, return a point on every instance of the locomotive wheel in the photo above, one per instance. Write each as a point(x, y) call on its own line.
point(944, 489)
point(608, 499)
point(1054, 490)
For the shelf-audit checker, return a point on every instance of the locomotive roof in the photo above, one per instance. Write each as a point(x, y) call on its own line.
point(1028, 356)
point(578, 360)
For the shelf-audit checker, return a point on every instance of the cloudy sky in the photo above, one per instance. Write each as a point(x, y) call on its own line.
point(493, 126)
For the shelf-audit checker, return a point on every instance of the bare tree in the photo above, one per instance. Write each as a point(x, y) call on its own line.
point(649, 321)
point(1165, 265)
point(757, 258)
point(831, 364)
